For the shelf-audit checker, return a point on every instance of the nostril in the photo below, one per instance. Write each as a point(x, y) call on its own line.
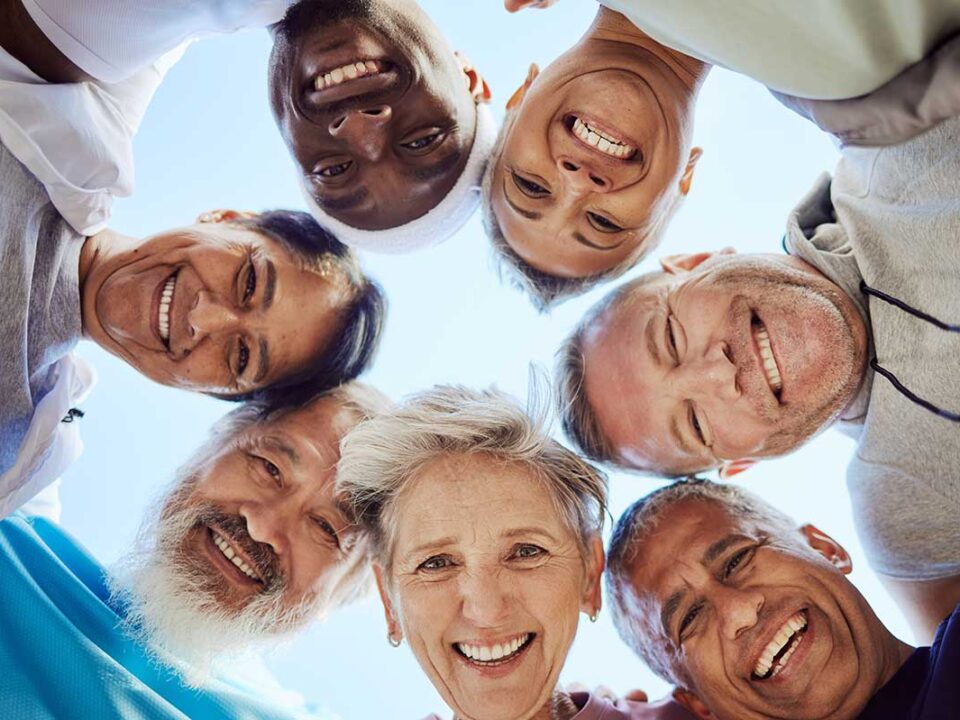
point(338, 123)
point(598, 181)
point(567, 165)
point(374, 112)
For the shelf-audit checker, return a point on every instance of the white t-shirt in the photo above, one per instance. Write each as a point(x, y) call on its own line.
point(112, 39)
point(821, 49)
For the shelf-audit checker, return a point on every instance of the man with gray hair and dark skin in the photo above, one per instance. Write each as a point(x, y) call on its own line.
point(753, 618)
point(721, 360)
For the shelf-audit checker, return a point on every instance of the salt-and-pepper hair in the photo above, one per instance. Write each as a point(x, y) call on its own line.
point(381, 456)
point(641, 633)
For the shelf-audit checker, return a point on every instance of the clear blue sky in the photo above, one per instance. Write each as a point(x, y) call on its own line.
point(208, 141)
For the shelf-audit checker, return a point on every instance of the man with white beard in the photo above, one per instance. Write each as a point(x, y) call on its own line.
point(249, 545)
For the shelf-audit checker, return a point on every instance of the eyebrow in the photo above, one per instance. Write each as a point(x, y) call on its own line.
point(429, 172)
point(270, 288)
point(720, 547)
point(264, 361)
point(347, 202)
point(528, 214)
point(430, 544)
point(280, 445)
point(516, 532)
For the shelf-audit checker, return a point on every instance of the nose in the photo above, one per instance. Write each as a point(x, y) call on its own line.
point(712, 375)
point(485, 599)
point(581, 178)
point(364, 130)
point(266, 523)
point(738, 610)
point(211, 315)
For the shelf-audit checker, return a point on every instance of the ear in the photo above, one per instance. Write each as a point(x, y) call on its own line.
point(692, 703)
point(684, 263)
point(516, 5)
point(521, 92)
point(828, 547)
point(476, 85)
point(393, 626)
point(216, 216)
point(735, 467)
point(592, 599)
point(687, 178)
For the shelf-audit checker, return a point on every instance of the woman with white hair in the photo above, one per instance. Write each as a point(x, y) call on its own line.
point(485, 541)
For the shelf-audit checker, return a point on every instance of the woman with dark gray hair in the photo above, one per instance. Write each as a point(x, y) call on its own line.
point(485, 542)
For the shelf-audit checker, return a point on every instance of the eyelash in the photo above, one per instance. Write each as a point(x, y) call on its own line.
point(427, 140)
point(603, 224)
point(688, 619)
point(334, 170)
point(530, 188)
point(672, 340)
point(243, 357)
point(518, 552)
point(736, 561)
point(425, 565)
point(695, 424)
point(251, 286)
point(327, 528)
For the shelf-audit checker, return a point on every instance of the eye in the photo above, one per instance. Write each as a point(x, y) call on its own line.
point(424, 142)
point(695, 424)
point(737, 561)
point(243, 357)
point(250, 287)
point(688, 619)
point(329, 171)
point(327, 529)
point(435, 563)
point(599, 222)
point(272, 470)
point(529, 187)
point(527, 551)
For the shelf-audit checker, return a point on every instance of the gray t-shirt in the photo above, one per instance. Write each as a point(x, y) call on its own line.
point(891, 219)
point(40, 297)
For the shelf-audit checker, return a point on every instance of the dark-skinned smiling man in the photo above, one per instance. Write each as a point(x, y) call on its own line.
point(387, 126)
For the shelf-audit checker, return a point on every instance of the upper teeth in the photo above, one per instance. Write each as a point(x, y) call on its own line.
point(488, 653)
point(769, 363)
point(792, 626)
point(166, 297)
point(601, 141)
point(228, 553)
point(350, 71)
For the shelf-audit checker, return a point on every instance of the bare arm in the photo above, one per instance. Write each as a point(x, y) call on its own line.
point(925, 603)
point(20, 36)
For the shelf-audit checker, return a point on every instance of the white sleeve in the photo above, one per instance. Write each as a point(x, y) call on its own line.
point(113, 39)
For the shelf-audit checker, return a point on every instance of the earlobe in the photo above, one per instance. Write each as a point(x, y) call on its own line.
point(692, 703)
point(687, 178)
point(833, 551)
point(517, 98)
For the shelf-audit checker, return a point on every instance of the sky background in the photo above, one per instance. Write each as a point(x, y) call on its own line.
point(208, 141)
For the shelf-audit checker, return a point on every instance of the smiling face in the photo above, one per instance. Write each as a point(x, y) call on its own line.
point(252, 542)
point(740, 357)
point(756, 625)
point(486, 584)
point(374, 108)
point(594, 158)
point(214, 307)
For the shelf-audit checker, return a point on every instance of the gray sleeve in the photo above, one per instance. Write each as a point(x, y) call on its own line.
point(919, 98)
point(909, 527)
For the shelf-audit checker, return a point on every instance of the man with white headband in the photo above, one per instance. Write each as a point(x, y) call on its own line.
point(388, 130)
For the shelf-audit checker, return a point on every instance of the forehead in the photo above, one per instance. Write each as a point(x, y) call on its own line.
point(623, 382)
point(474, 497)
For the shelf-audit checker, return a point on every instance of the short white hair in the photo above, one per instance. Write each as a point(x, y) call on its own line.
point(382, 455)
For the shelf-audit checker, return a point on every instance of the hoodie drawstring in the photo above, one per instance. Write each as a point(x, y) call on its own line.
point(875, 364)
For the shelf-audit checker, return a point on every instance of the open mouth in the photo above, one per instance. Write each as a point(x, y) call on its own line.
point(776, 655)
point(497, 653)
point(602, 139)
point(163, 312)
point(768, 361)
point(234, 556)
point(349, 72)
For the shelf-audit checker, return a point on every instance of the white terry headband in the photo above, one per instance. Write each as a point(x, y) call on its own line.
point(441, 222)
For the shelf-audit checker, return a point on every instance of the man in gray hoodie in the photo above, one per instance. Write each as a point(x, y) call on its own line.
point(721, 360)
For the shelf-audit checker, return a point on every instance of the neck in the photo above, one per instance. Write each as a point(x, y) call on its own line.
point(614, 27)
point(896, 653)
